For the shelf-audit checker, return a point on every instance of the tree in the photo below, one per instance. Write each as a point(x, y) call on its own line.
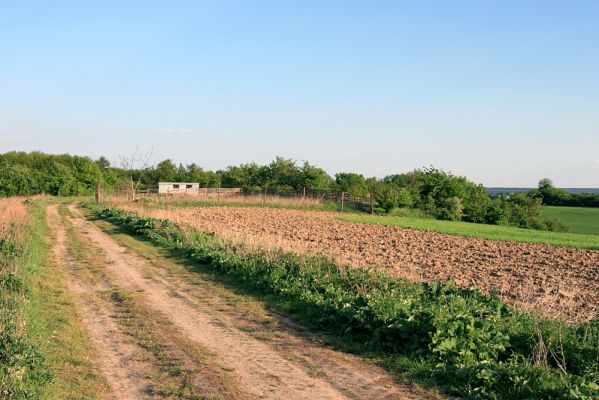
point(353, 184)
point(165, 171)
point(313, 178)
point(103, 163)
point(197, 174)
point(477, 204)
point(522, 209)
point(137, 167)
point(284, 175)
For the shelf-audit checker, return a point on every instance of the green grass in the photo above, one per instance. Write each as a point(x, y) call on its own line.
point(492, 232)
point(580, 219)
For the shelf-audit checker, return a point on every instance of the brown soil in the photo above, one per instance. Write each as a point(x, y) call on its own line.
point(553, 281)
point(266, 357)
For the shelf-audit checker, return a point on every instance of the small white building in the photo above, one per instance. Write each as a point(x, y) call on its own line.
point(178, 188)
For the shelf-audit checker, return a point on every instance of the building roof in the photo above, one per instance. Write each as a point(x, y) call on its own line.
point(178, 183)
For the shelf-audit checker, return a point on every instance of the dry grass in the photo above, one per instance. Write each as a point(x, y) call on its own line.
point(224, 199)
point(13, 212)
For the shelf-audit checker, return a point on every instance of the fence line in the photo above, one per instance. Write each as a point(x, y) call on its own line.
point(365, 204)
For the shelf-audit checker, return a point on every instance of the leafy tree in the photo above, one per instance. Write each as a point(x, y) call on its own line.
point(103, 163)
point(165, 171)
point(313, 178)
point(522, 209)
point(477, 204)
point(353, 184)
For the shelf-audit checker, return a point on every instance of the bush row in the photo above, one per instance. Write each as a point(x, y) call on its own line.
point(471, 344)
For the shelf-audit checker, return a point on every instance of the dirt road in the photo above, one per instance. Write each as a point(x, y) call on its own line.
point(223, 347)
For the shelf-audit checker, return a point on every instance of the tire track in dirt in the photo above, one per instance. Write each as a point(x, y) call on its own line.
point(262, 370)
point(117, 358)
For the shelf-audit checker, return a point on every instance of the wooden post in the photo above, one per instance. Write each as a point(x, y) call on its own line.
point(304, 196)
point(342, 198)
point(264, 196)
point(371, 204)
point(97, 192)
point(218, 194)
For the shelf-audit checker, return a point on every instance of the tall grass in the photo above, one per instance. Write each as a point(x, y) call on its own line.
point(13, 216)
point(273, 201)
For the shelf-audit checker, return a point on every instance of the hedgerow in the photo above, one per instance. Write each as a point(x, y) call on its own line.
point(471, 344)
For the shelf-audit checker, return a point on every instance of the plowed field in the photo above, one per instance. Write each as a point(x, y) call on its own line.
point(553, 281)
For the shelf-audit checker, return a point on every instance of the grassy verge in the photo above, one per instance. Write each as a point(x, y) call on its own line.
point(22, 372)
point(582, 220)
point(492, 232)
point(460, 340)
point(54, 325)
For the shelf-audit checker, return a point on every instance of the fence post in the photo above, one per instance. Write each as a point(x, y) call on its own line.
point(218, 194)
point(304, 196)
point(371, 204)
point(97, 192)
point(342, 198)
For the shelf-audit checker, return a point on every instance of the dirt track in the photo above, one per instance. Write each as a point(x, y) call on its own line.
point(553, 281)
point(263, 355)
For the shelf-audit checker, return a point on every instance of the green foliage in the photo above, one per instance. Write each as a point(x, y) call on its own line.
point(32, 173)
point(281, 175)
point(20, 361)
point(552, 196)
point(352, 184)
point(471, 344)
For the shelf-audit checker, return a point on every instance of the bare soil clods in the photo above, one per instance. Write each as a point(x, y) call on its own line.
point(554, 281)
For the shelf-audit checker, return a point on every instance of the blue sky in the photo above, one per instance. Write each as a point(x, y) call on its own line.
point(504, 92)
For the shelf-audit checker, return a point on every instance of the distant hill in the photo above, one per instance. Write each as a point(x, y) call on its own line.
point(495, 191)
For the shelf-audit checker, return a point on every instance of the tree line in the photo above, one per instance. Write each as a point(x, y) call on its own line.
point(552, 196)
point(435, 192)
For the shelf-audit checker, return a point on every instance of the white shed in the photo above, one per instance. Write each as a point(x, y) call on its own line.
point(178, 188)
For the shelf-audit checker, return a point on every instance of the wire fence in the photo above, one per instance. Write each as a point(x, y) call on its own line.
point(343, 200)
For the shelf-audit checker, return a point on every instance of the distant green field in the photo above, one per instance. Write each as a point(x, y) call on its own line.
point(492, 232)
point(580, 219)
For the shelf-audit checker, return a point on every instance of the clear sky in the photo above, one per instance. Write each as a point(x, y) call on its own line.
point(504, 92)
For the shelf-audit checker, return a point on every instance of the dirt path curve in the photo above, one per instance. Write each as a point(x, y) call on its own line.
point(119, 362)
point(263, 372)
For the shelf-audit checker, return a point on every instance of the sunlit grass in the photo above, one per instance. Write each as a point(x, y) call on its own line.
point(580, 219)
point(492, 232)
